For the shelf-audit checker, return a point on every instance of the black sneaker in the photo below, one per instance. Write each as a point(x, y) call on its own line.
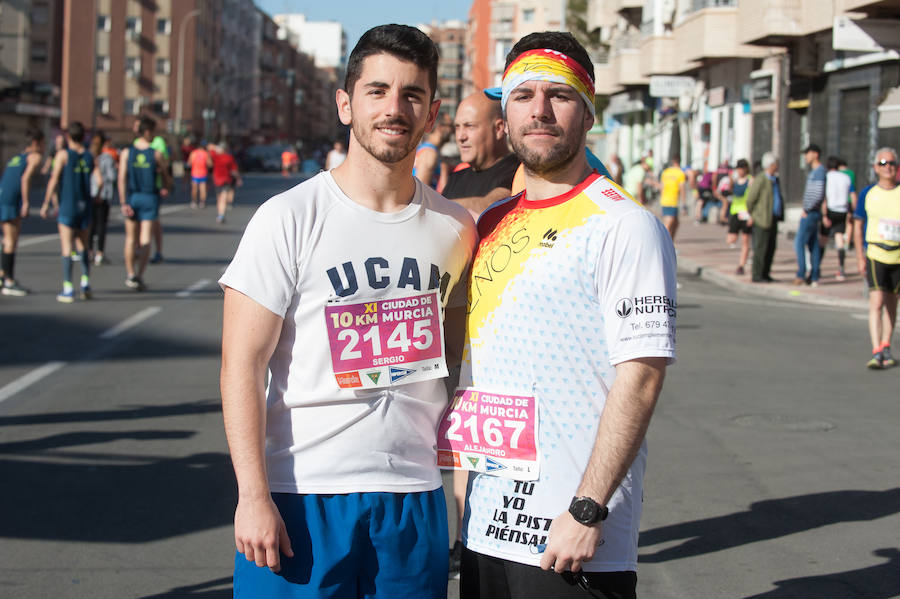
point(887, 359)
point(455, 559)
point(876, 362)
point(135, 282)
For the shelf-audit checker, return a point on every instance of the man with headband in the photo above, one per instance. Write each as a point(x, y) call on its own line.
point(570, 327)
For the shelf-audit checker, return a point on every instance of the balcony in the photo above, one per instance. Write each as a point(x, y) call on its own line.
point(660, 57)
point(773, 22)
point(625, 59)
point(711, 32)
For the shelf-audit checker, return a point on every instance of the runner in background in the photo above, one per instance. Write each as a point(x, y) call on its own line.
point(840, 197)
point(199, 163)
point(428, 167)
point(672, 181)
point(72, 172)
point(738, 215)
point(103, 193)
point(15, 189)
point(225, 178)
point(336, 155)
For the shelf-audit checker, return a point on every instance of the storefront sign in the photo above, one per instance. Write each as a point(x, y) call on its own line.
point(632, 101)
point(665, 86)
point(716, 97)
point(763, 87)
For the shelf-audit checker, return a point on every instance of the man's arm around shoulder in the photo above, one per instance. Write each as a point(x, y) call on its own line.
point(623, 425)
point(249, 335)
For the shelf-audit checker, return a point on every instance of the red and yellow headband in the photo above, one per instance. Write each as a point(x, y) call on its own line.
point(545, 65)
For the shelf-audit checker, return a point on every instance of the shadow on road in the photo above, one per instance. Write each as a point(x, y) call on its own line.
point(127, 413)
point(875, 582)
point(204, 590)
point(104, 500)
point(74, 340)
point(769, 519)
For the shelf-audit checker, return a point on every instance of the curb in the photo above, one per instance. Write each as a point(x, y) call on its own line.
point(774, 292)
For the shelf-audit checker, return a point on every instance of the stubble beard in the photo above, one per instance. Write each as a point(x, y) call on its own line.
point(551, 160)
point(387, 153)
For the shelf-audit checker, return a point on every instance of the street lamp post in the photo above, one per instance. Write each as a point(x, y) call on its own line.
point(180, 84)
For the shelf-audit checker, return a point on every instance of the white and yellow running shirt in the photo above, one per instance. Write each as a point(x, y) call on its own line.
point(561, 291)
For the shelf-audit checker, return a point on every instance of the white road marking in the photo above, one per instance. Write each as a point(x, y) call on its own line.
point(25, 381)
point(36, 240)
point(195, 287)
point(131, 321)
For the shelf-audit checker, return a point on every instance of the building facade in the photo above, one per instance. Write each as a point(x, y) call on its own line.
point(450, 38)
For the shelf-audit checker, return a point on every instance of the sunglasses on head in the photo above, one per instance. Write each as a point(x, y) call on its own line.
point(886, 162)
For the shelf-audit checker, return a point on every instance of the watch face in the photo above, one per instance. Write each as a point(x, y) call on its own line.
point(584, 510)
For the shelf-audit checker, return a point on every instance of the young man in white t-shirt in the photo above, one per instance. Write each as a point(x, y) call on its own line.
point(338, 287)
point(571, 325)
point(840, 199)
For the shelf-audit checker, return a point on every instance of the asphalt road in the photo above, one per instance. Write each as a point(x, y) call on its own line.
point(772, 472)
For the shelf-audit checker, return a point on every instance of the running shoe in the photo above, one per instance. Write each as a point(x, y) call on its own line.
point(66, 297)
point(135, 282)
point(876, 362)
point(840, 276)
point(220, 219)
point(156, 259)
point(888, 359)
point(739, 271)
point(85, 293)
point(14, 289)
point(455, 559)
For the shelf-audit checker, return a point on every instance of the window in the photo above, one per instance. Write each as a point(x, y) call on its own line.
point(528, 15)
point(132, 27)
point(101, 105)
point(103, 64)
point(160, 107)
point(40, 14)
point(163, 66)
point(132, 106)
point(164, 26)
point(39, 51)
point(104, 23)
point(132, 66)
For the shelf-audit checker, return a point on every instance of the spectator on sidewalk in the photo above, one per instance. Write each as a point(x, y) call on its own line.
point(876, 233)
point(811, 219)
point(840, 196)
point(766, 207)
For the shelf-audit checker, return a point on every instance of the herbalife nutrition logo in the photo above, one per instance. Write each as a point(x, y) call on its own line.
point(549, 238)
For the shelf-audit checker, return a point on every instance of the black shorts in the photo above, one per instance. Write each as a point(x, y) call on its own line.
point(883, 277)
point(838, 223)
point(485, 577)
point(736, 225)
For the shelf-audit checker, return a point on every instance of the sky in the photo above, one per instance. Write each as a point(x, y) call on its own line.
point(358, 16)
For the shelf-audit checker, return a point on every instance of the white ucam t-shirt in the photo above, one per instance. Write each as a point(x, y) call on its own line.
point(562, 290)
point(354, 285)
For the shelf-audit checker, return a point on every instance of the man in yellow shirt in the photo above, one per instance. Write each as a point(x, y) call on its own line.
point(672, 180)
point(877, 223)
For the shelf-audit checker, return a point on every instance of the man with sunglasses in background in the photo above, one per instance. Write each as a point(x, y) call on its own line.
point(877, 227)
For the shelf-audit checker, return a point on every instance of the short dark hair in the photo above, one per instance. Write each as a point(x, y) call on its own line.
point(742, 163)
point(401, 41)
point(832, 163)
point(76, 131)
point(554, 40)
point(34, 135)
point(146, 124)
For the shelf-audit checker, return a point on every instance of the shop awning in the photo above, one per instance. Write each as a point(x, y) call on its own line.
point(889, 110)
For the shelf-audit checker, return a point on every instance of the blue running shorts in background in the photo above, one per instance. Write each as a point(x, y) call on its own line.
point(366, 545)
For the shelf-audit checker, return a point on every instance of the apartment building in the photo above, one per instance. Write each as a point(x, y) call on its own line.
point(30, 70)
point(450, 38)
point(719, 80)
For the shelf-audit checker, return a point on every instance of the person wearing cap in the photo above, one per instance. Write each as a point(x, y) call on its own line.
point(570, 327)
point(810, 221)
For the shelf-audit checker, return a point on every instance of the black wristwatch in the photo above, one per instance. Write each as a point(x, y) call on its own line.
point(587, 511)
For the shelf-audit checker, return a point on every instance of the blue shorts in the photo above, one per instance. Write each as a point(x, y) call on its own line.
point(670, 211)
point(10, 212)
point(145, 206)
point(373, 545)
point(199, 179)
point(78, 220)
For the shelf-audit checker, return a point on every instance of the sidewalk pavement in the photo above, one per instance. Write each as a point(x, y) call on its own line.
point(702, 250)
